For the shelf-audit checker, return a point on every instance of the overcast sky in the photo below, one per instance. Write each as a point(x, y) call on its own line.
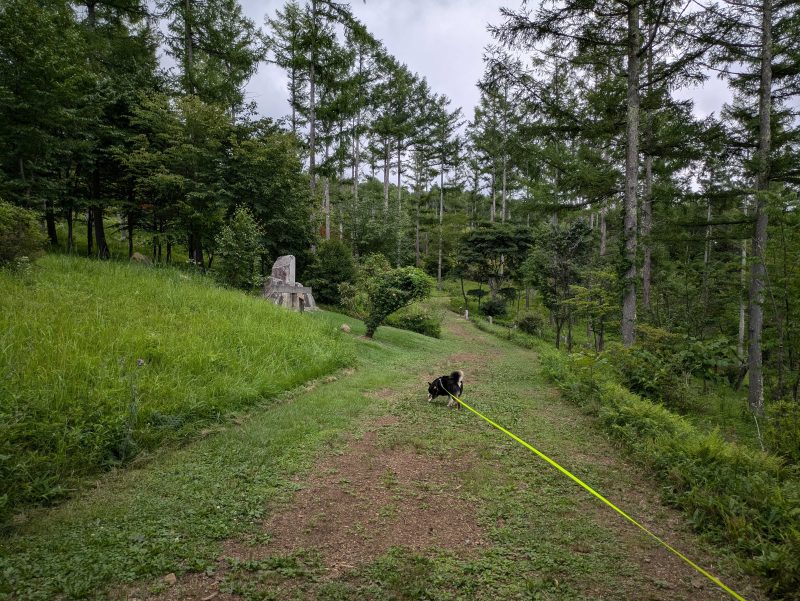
point(442, 40)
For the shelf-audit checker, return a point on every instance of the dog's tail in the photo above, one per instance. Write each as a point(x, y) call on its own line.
point(458, 376)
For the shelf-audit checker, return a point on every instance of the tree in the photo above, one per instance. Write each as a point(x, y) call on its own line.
point(553, 268)
point(393, 290)
point(238, 247)
point(495, 252)
point(626, 31)
point(332, 265)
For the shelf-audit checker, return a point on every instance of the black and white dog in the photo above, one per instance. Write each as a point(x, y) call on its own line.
point(441, 386)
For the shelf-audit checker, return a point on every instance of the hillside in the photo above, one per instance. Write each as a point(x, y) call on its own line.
point(100, 361)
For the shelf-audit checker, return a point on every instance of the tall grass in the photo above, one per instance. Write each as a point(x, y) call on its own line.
point(99, 361)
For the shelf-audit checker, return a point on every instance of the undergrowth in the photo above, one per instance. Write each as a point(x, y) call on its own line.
point(743, 498)
point(100, 361)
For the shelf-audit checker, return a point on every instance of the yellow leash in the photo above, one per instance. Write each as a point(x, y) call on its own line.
point(574, 478)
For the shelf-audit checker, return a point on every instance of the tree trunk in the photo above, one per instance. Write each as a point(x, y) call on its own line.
point(70, 239)
point(188, 44)
point(89, 235)
point(399, 204)
point(755, 394)
point(603, 232)
point(631, 179)
point(441, 221)
point(312, 108)
point(386, 160)
point(494, 201)
point(130, 235)
point(100, 233)
point(647, 201)
point(50, 219)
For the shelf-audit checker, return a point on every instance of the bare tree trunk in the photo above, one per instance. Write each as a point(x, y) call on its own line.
point(742, 302)
point(504, 190)
point(386, 179)
point(603, 233)
point(706, 261)
point(399, 203)
point(631, 179)
point(755, 395)
point(312, 105)
point(494, 201)
point(647, 201)
point(441, 221)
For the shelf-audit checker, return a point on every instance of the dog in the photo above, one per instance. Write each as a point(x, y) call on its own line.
point(452, 384)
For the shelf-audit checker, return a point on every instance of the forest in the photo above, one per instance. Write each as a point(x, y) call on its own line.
point(585, 202)
point(637, 211)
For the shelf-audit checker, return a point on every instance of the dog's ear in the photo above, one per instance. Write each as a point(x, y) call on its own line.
point(429, 383)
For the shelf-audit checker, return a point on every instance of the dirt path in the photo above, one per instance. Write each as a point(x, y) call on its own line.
point(429, 503)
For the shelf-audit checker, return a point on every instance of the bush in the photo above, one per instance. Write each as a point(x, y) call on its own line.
point(20, 235)
point(239, 248)
point(494, 307)
point(531, 323)
point(782, 429)
point(391, 290)
point(417, 318)
point(331, 266)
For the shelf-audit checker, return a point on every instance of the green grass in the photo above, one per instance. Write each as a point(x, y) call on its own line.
point(100, 360)
point(171, 513)
point(547, 540)
point(740, 496)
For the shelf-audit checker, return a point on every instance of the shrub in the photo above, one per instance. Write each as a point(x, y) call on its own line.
point(531, 323)
point(391, 290)
point(239, 248)
point(20, 235)
point(745, 498)
point(331, 266)
point(782, 429)
point(417, 318)
point(494, 307)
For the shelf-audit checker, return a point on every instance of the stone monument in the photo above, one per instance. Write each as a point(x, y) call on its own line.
point(282, 290)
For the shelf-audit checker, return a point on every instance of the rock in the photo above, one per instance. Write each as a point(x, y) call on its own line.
point(282, 289)
point(140, 258)
point(345, 328)
point(171, 579)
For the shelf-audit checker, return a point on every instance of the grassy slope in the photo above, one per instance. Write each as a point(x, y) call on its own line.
point(548, 540)
point(73, 397)
point(170, 514)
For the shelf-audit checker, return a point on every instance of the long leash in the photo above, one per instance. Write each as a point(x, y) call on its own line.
point(577, 480)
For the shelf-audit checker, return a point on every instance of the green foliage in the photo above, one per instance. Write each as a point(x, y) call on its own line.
point(150, 355)
point(20, 235)
point(553, 267)
point(238, 245)
point(744, 498)
point(391, 290)
point(531, 323)
point(418, 317)
point(494, 307)
point(782, 429)
point(331, 267)
point(494, 253)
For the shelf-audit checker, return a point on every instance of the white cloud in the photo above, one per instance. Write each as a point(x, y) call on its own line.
point(442, 40)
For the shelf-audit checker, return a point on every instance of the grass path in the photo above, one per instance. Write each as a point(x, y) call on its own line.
point(356, 488)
